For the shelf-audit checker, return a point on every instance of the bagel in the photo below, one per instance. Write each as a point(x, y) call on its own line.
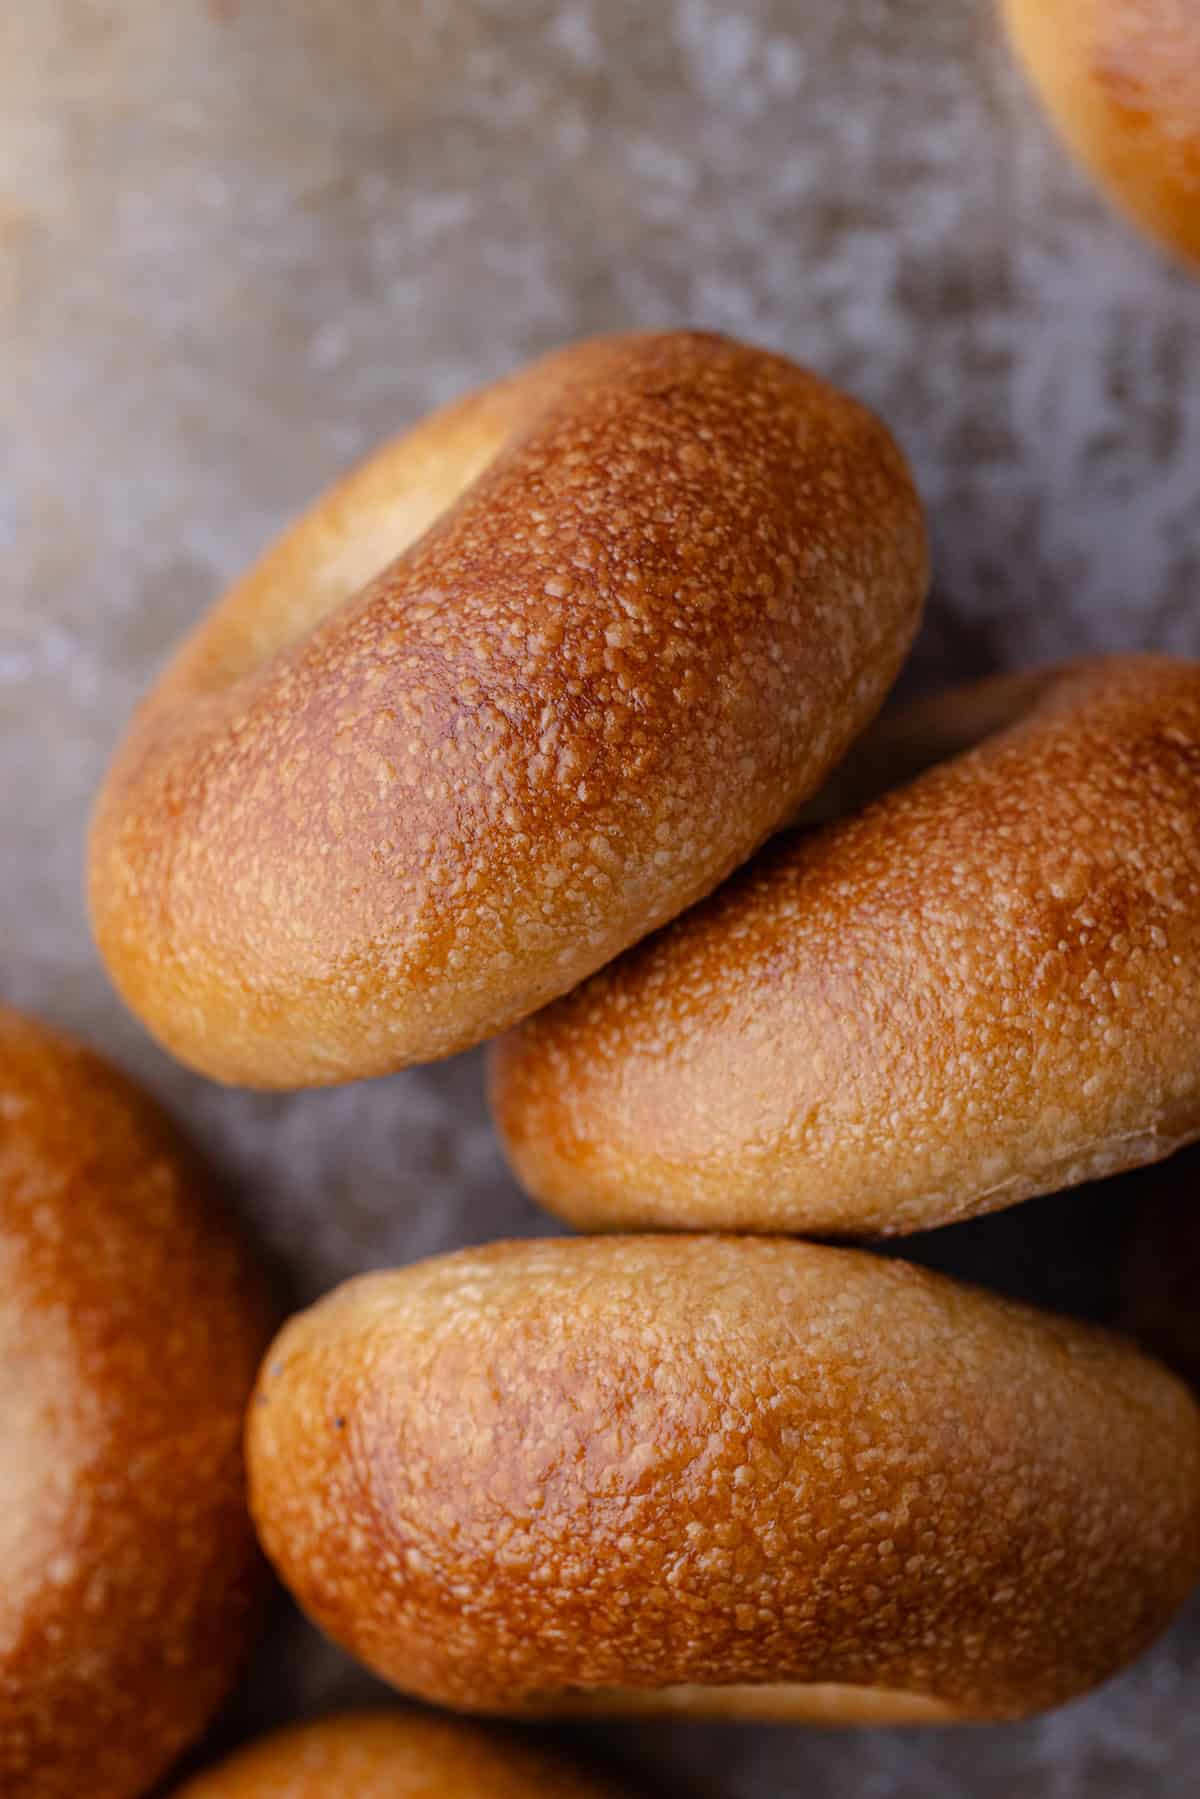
point(1121, 79)
point(982, 987)
point(723, 1475)
point(131, 1325)
point(377, 1756)
point(530, 682)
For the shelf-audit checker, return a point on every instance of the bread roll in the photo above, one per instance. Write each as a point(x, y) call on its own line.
point(1121, 79)
point(984, 986)
point(721, 1475)
point(376, 1756)
point(524, 686)
point(131, 1324)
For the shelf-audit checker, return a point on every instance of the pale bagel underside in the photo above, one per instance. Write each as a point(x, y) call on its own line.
point(981, 987)
point(533, 680)
point(726, 1475)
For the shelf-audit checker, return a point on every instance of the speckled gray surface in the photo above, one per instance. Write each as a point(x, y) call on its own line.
point(241, 241)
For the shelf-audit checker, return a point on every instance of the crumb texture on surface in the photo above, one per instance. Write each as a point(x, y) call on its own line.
point(981, 987)
point(514, 1478)
point(665, 581)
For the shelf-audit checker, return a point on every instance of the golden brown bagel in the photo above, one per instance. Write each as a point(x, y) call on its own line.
point(527, 684)
point(1121, 79)
point(985, 985)
point(377, 1756)
point(131, 1322)
point(720, 1474)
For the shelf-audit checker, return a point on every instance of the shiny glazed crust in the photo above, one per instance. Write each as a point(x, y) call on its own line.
point(615, 1472)
point(527, 684)
point(376, 1756)
point(131, 1323)
point(984, 986)
point(1121, 79)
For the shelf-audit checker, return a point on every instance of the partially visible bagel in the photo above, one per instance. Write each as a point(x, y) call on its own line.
point(1121, 79)
point(132, 1319)
point(984, 986)
point(732, 1476)
point(530, 682)
point(394, 1756)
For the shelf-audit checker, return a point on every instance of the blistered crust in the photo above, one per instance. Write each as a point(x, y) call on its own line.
point(131, 1322)
point(524, 1478)
point(981, 987)
point(628, 608)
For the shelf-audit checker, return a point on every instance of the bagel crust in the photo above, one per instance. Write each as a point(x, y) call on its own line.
point(131, 1323)
point(377, 1756)
point(1121, 79)
point(729, 1475)
point(530, 682)
point(984, 986)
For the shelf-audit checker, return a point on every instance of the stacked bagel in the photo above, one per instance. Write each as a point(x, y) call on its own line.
point(552, 725)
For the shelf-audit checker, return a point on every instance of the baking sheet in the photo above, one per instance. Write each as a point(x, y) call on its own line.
point(240, 242)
